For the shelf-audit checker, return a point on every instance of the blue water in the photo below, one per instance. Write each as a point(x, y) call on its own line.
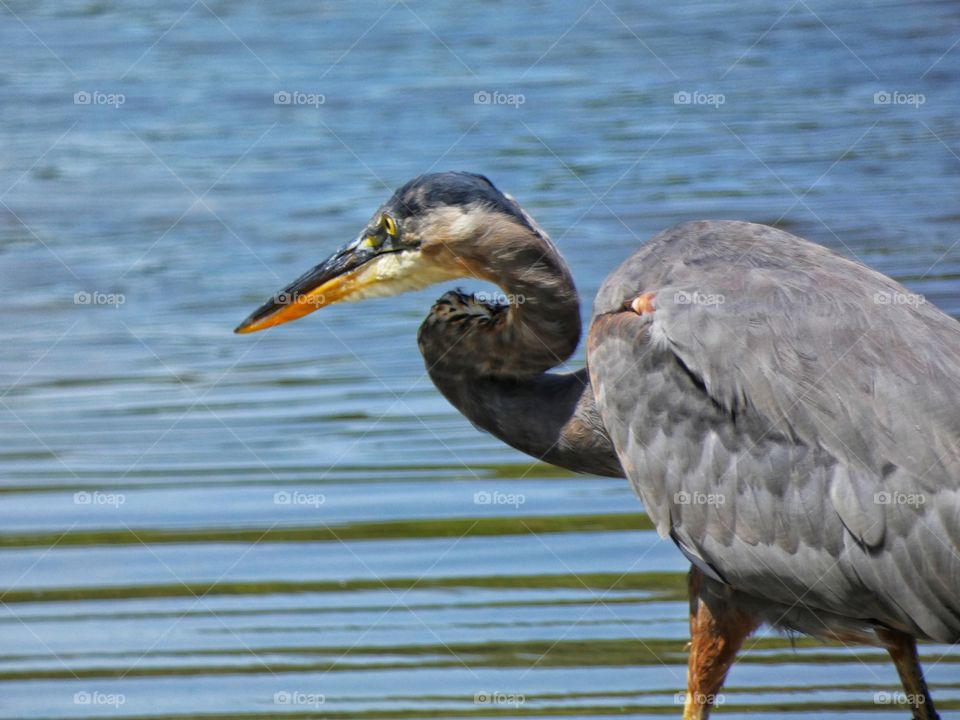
point(138, 229)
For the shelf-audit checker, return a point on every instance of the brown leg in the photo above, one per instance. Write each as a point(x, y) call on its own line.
point(717, 631)
point(903, 651)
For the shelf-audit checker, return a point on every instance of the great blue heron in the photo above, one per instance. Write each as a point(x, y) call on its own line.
point(790, 418)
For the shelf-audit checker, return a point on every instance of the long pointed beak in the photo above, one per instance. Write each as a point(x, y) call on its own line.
point(330, 281)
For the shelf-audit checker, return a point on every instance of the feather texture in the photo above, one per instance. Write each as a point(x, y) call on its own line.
point(791, 419)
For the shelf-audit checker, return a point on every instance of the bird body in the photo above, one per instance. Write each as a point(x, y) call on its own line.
point(788, 417)
point(799, 435)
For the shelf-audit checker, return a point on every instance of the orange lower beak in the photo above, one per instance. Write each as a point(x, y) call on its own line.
point(327, 283)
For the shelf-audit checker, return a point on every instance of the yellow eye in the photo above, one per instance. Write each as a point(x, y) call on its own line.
point(389, 224)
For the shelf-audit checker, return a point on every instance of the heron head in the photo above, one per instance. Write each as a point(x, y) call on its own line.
point(432, 229)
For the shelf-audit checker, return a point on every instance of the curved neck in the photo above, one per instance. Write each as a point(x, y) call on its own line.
point(532, 327)
point(551, 417)
point(491, 360)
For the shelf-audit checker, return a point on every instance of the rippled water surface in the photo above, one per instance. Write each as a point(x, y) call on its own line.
point(293, 524)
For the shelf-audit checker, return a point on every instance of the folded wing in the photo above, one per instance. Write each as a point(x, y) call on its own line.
point(791, 419)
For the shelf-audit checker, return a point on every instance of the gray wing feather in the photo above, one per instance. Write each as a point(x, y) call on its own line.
point(791, 419)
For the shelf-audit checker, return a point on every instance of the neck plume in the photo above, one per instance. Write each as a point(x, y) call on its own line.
point(490, 360)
